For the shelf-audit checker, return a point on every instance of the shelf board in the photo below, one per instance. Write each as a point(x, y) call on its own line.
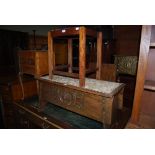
point(149, 85)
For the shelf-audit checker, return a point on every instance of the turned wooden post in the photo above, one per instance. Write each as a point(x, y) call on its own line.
point(50, 55)
point(82, 56)
point(99, 55)
point(70, 55)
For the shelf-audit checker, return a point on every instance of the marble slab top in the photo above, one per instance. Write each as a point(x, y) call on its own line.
point(100, 86)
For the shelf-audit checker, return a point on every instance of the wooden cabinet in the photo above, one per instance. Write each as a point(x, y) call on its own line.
point(11, 91)
point(143, 113)
point(98, 100)
point(10, 41)
point(33, 62)
point(126, 73)
point(129, 89)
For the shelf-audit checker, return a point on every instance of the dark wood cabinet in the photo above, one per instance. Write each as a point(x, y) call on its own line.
point(11, 91)
point(126, 73)
point(129, 89)
point(10, 42)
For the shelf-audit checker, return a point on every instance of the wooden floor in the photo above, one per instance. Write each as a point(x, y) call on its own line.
point(145, 122)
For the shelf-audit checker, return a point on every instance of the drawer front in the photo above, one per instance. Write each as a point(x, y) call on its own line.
point(27, 62)
point(29, 119)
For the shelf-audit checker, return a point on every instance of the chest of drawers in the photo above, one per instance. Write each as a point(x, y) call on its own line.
point(33, 62)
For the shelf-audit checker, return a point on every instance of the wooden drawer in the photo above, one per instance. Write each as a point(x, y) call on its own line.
point(34, 62)
point(29, 117)
point(27, 62)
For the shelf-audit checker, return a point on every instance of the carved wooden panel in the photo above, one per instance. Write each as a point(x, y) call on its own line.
point(63, 96)
point(97, 107)
point(83, 103)
point(126, 64)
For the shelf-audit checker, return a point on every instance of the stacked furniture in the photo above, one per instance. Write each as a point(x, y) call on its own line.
point(92, 98)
